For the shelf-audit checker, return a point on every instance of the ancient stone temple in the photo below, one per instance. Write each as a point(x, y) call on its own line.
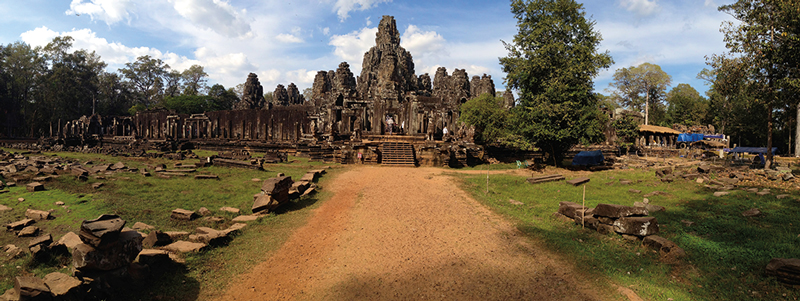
point(253, 97)
point(386, 115)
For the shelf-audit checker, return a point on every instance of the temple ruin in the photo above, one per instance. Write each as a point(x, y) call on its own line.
point(386, 115)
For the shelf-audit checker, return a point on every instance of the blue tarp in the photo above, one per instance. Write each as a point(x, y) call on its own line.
point(588, 158)
point(687, 137)
point(753, 150)
point(717, 136)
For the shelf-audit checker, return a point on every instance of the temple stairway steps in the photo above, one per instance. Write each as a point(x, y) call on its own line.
point(398, 154)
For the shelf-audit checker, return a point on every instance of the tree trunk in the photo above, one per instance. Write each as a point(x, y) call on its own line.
point(797, 133)
point(647, 108)
point(769, 136)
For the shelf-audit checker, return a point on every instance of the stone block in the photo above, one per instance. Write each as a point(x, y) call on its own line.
point(31, 288)
point(245, 218)
point(568, 209)
point(277, 185)
point(37, 214)
point(19, 225)
point(266, 203)
point(69, 240)
point(639, 226)
point(28, 231)
point(605, 228)
point(142, 226)
point(183, 214)
point(203, 211)
point(156, 239)
point(121, 254)
point(102, 231)
point(229, 209)
point(64, 287)
point(618, 211)
point(786, 270)
point(182, 246)
point(35, 186)
point(153, 257)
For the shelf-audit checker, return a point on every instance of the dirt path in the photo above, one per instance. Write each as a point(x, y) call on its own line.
point(408, 234)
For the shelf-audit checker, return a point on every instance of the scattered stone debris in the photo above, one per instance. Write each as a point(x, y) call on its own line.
point(515, 202)
point(142, 226)
point(274, 192)
point(97, 185)
point(203, 211)
point(578, 181)
point(183, 246)
point(721, 193)
point(245, 218)
point(37, 214)
point(35, 186)
point(206, 177)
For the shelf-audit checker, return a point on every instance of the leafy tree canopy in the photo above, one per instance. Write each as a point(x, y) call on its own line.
point(552, 62)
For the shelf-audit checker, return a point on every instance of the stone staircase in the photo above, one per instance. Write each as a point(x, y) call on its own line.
point(398, 154)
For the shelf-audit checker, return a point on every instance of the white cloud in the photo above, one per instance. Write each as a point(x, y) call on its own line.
point(269, 76)
point(110, 11)
point(344, 7)
point(423, 43)
point(215, 15)
point(326, 31)
point(301, 77)
point(710, 3)
point(642, 8)
point(288, 38)
point(368, 22)
point(352, 46)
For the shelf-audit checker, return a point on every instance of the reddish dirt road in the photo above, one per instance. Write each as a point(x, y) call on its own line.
point(409, 234)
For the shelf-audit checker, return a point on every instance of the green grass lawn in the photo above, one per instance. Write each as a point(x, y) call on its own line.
point(136, 198)
point(727, 252)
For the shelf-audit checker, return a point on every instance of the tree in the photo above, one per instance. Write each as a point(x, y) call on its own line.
point(766, 38)
point(172, 79)
point(146, 75)
point(22, 68)
point(552, 62)
point(223, 99)
point(639, 86)
point(686, 106)
point(488, 116)
point(194, 80)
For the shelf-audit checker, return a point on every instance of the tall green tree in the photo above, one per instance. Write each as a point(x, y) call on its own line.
point(146, 75)
point(22, 68)
point(223, 99)
point(766, 38)
point(640, 87)
point(552, 62)
point(194, 80)
point(686, 106)
point(489, 117)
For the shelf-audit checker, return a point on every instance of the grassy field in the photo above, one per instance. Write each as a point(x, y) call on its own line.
point(727, 252)
point(150, 200)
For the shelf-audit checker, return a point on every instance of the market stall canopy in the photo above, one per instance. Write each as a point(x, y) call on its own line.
point(752, 150)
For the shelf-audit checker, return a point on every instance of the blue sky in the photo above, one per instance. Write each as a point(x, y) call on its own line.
point(289, 41)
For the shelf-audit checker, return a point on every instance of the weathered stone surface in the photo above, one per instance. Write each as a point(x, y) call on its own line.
point(4, 208)
point(63, 286)
point(206, 177)
point(634, 191)
point(253, 95)
point(118, 166)
point(203, 211)
point(210, 236)
point(752, 212)
point(578, 181)
point(721, 193)
point(37, 214)
point(101, 231)
point(43, 240)
point(617, 211)
point(18, 225)
point(568, 209)
point(153, 257)
point(229, 209)
point(639, 226)
point(604, 228)
point(97, 185)
point(78, 171)
point(31, 288)
point(387, 69)
point(34, 186)
point(86, 257)
point(182, 246)
point(183, 214)
point(245, 218)
point(780, 196)
point(69, 240)
point(156, 239)
point(142, 226)
point(177, 235)
point(667, 249)
point(562, 217)
point(28, 231)
point(480, 85)
point(786, 270)
point(234, 228)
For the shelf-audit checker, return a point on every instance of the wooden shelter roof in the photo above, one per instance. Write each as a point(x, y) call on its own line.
point(657, 129)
